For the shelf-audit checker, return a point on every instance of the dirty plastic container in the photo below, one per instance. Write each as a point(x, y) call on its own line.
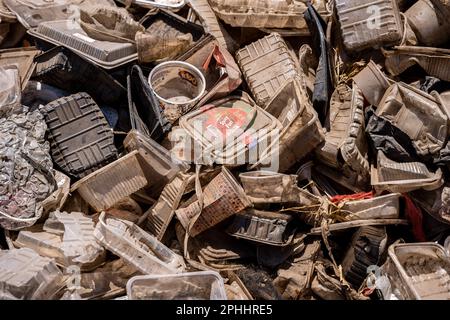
point(403, 177)
point(369, 23)
point(301, 136)
point(167, 36)
point(163, 211)
point(158, 164)
point(435, 61)
point(266, 64)
point(146, 114)
point(222, 73)
point(383, 207)
point(81, 139)
point(23, 58)
point(152, 4)
point(203, 285)
point(209, 21)
point(271, 228)
point(25, 275)
point(68, 33)
point(6, 15)
point(372, 82)
point(178, 86)
point(106, 186)
point(418, 115)
point(222, 198)
point(229, 131)
point(64, 69)
point(30, 13)
point(419, 271)
point(430, 22)
point(10, 90)
point(261, 14)
point(345, 141)
point(137, 247)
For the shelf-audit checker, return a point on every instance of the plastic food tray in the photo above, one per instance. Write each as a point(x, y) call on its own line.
point(204, 285)
point(68, 33)
point(81, 139)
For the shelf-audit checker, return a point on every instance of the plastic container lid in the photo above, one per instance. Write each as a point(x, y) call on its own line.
point(204, 285)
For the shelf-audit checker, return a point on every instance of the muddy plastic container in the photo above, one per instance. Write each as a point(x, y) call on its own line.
point(64, 69)
point(137, 247)
point(30, 13)
point(265, 227)
point(229, 131)
point(419, 115)
point(163, 211)
point(383, 207)
point(222, 198)
point(6, 15)
point(270, 187)
point(372, 82)
point(178, 86)
point(151, 4)
point(209, 21)
point(81, 139)
point(26, 275)
point(419, 271)
point(157, 162)
point(301, 136)
point(222, 74)
point(10, 90)
point(203, 285)
point(435, 61)
point(345, 141)
point(266, 64)
point(261, 14)
point(23, 58)
point(167, 36)
point(430, 22)
point(146, 114)
point(403, 177)
point(68, 33)
point(369, 23)
point(110, 184)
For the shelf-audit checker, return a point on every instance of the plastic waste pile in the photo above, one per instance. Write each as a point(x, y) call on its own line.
point(225, 149)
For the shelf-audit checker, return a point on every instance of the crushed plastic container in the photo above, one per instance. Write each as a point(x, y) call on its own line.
point(167, 36)
point(157, 163)
point(435, 61)
point(344, 142)
point(137, 247)
point(261, 14)
point(271, 228)
point(221, 72)
point(267, 65)
point(403, 177)
point(64, 69)
point(369, 23)
point(299, 137)
point(81, 139)
point(228, 131)
point(417, 114)
point(10, 90)
point(430, 22)
point(222, 198)
point(26, 275)
point(23, 58)
point(372, 82)
point(162, 212)
point(68, 33)
point(110, 184)
point(203, 285)
point(151, 4)
point(382, 207)
point(418, 271)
